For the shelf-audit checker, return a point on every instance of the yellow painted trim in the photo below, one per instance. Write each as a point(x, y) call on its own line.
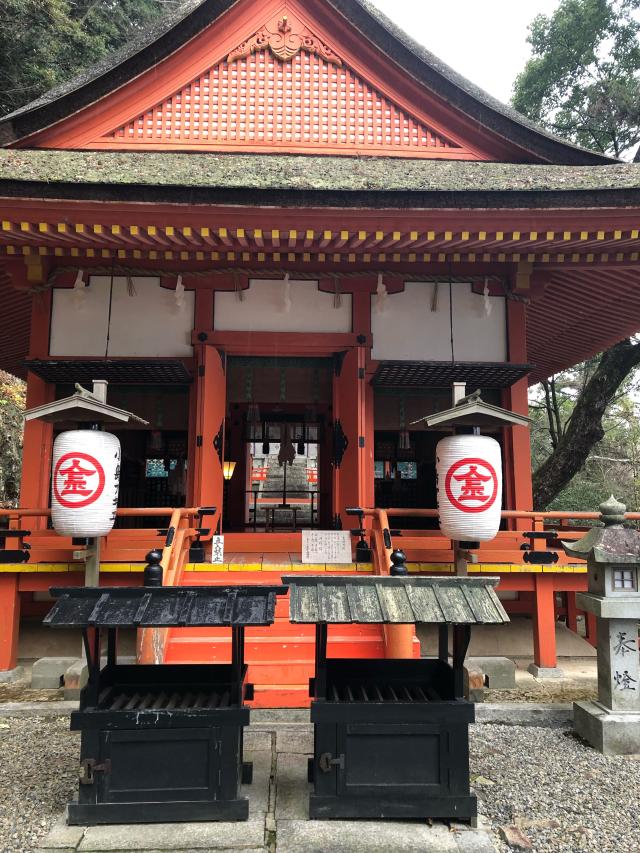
point(413, 567)
point(206, 567)
point(435, 567)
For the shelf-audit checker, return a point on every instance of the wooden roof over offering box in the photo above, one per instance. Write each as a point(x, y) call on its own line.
point(386, 600)
point(162, 607)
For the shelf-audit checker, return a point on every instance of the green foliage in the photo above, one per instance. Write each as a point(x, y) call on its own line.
point(45, 42)
point(583, 79)
point(12, 403)
point(613, 466)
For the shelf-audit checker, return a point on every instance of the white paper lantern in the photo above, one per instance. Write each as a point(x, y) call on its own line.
point(85, 483)
point(469, 487)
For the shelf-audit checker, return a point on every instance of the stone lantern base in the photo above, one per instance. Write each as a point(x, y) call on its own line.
point(610, 732)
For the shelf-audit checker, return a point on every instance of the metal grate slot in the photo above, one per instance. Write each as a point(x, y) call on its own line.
point(383, 693)
point(104, 696)
point(160, 701)
point(163, 701)
point(145, 702)
point(131, 704)
point(118, 702)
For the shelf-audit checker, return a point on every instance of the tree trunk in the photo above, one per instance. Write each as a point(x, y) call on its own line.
point(584, 429)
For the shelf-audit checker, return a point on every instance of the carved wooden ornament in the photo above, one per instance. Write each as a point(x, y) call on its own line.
point(285, 37)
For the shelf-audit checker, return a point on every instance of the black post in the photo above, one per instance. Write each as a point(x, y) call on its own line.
point(237, 661)
point(399, 563)
point(153, 569)
point(112, 646)
point(363, 552)
point(320, 682)
point(443, 642)
point(461, 639)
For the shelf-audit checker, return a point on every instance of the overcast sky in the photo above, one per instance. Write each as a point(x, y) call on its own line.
point(485, 41)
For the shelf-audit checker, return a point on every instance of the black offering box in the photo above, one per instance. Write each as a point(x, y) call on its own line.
point(161, 743)
point(392, 736)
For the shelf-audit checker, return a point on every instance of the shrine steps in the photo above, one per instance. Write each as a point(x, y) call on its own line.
point(280, 658)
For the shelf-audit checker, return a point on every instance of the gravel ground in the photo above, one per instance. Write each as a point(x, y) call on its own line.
point(561, 794)
point(38, 775)
point(546, 691)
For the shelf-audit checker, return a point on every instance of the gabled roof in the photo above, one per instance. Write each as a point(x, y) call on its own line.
point(176, 29)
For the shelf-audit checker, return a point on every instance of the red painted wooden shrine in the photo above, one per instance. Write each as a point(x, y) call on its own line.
point(235, 145)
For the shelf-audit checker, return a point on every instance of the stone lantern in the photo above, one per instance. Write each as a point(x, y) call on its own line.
point(612, 723)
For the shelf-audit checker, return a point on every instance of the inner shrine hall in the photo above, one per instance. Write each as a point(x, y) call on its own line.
point(283, 233)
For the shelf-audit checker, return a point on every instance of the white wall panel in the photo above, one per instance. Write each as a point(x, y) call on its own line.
point(79, 324)
point(412, 327)
point(263, 309)
point(149, 322)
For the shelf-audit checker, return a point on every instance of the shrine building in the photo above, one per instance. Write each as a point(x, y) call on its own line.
point(281, 231)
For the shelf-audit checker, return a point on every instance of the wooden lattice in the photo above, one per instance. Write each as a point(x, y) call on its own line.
point(261, 101)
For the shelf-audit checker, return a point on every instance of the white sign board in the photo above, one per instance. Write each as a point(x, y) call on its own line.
point(326, 546)
point(217, 549)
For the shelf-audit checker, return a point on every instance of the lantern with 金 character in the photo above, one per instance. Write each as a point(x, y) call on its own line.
point(469, 487)
point(85, 482)
point(469, 468)
point(86, 462)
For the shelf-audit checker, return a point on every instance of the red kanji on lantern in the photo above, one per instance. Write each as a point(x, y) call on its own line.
point(76, 485)
point(471, 485)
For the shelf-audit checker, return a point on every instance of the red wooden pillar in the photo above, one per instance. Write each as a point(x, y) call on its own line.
point(211, 396)
point(37, 445)
point(544, 624)
point(517, 438)
point(350, 486)
point(36, 451)
point(9, 621)
point(572, 612)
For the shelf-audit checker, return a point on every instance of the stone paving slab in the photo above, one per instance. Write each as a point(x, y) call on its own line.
point(341, 836)
point(63, 837)
point(298, 740)
point(258, 791)
point(255, 740)
point(278, 819)
point(174, 836)
point(292, 788)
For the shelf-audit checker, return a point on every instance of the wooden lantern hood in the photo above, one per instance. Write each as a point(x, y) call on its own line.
point(472, 411)
point(83, 407)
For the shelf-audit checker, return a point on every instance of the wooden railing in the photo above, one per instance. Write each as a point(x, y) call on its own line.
point(152, 642)
point(181, 533)
point(121, 545)
point(382, 540)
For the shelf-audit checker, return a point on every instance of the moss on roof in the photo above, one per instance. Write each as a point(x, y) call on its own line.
point(305, 173)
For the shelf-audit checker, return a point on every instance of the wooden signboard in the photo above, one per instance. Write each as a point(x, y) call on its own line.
point(217, 549)
point(326, 546)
